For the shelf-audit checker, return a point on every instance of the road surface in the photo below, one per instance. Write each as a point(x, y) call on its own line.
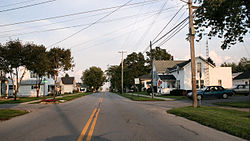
point(107, 117)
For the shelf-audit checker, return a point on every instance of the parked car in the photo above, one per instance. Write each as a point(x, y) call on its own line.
point(241, 89)
point(212, 92)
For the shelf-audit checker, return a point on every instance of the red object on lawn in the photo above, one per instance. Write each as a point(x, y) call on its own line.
point(48, 100)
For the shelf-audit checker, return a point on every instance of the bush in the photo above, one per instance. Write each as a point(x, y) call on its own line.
point(178, 92)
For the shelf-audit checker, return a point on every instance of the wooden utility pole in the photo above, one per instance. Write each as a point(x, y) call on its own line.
point(122, 52)
point(192, 53)
point(152, 71)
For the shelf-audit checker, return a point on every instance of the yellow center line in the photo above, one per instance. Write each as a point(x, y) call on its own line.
point(80, 138)
point(93, 126)
point(86, 126)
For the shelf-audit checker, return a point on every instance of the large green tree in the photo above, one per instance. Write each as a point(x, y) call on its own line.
point(14, 60)
point(226, 19)
point(114, 77)
point(158, 54)
point(39, 63)
point(60, 60)
point(94, 78)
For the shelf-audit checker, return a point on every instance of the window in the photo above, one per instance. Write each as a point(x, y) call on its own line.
point(178, 84)
point(202, 83)
point(220, 82)
point(10, 87)
point(33, 87)
point(32, 75)
point(197, 84)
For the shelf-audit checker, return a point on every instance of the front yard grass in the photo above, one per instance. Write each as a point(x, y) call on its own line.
point(139, 98)
point(6, 114)
point(242, 104)
point(19, 100)
point(71, 97)
point(231, 121)
point(174, 97)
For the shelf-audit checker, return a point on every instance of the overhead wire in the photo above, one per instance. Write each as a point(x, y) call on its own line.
point(90, 25)
point(26, 6)
point(72, 14)
point(17, 3)
point(167, 24)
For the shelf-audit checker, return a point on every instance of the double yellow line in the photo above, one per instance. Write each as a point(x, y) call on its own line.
point(95, 116)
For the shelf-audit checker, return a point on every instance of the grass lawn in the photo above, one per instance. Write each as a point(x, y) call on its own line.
point(19, 100)
point(243, 104)
point(71, 97)
point(139, 98)
point(231, 121)
point(6, 114)
point(142, 93)
point(174, 97)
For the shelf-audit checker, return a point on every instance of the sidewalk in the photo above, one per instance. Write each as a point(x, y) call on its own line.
point(166, 99)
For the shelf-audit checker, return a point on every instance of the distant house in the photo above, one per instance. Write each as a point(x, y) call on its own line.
point(67, 85)
point(177, 75)
point(28, 86)
point(145, 81)
point(80, 87)
point(242, 78)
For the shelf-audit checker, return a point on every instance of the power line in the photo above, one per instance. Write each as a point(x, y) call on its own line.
point(67, 27)
point(72, 14)
point(90, 24)
point(26, 6)
point(17, 3)
point(167, 33)
point(168, 23)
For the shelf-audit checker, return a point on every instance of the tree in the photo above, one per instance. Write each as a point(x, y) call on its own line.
point(210, 61)
point(242, 66)
point(14, 57)
point(227, 19)
point(38, 64)
point(114, 77)
point(66, 75)
point(158, 54)
point(60, 60)
point(94, 78)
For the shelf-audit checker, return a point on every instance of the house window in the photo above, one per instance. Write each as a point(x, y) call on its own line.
point(202, 83)
point(219, 82)
point(32, 75)
point(197, 84)
point(178, 84)
point(33, 87)
point(11, 87)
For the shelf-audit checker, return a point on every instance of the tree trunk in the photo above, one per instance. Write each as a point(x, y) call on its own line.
point(15, 95)
point(38, 87)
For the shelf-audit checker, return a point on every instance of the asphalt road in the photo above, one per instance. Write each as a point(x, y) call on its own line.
point(107, 117)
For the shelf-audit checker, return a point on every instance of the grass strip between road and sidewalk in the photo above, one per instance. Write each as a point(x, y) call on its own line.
point(238, 104)
point(6, 114)
point(174, 97)
point(20, 100)
point(139, 98)
point(71, 97)
point(231, 121)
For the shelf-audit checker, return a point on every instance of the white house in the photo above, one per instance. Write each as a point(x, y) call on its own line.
point(67, 84)
point(242, 79)
point(145, 81)
point(28, 86)
point(177, 75)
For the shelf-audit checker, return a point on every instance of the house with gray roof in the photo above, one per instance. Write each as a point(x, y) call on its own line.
point(67, 85)
point(242, 78)
point(169, 75)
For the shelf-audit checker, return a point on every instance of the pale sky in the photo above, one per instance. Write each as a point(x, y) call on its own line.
point(129, 28)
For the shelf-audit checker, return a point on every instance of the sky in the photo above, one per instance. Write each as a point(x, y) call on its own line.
point(103, 28)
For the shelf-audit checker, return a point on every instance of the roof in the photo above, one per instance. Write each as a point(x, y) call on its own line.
point(167, 77)
point(244, 75)
point(30, 82)
point(68, 80)
point(162, 65)
point(145, 77)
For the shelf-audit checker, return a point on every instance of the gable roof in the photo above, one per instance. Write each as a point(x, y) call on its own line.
point(68, 80)
point(244, 75)
point(162, 65)
point(145, 77)
point(167, 77)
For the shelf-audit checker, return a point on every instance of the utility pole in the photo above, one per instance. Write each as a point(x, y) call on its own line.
point(152, 72)
point(122, 52)
point(192, 53)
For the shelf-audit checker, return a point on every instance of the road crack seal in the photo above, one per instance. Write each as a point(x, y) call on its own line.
point(189, 130)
